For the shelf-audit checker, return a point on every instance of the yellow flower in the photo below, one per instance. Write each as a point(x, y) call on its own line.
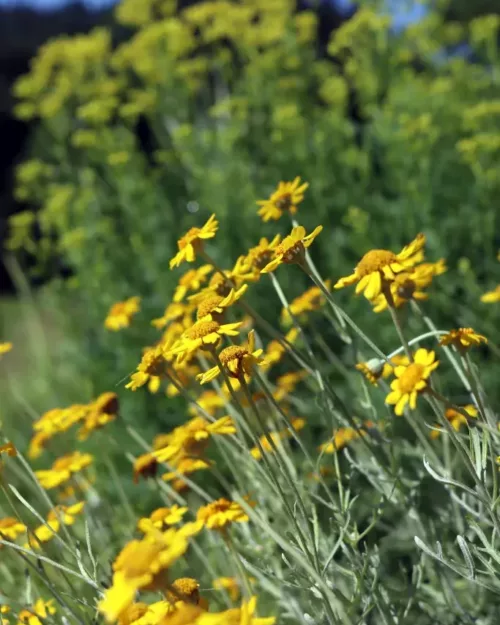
point(260, 256)
point(220, 513)
point(229, 584)
point(121, 313)
point(456, 419)
point(343, 436)
point(236, 616)
point(8, 449)
point(311, 300)
point(237, 360)
point(491, 296)
point(287, 382)
point(60, 514)
point(185, 466)
point(381, 266)
point(162, 518)
point(375, 369)
point(11, 528)
point(175, 311)
point(63, 468)
point(204, 334)
point(208, 401)
point(192, 242)
point(462, 339)
point(292, 249)
point(411, 380)
point(284, 199)
point(40, 610)
point(213, 306)
point(152, 364)
point(191, 281)
point(409, 284)
point(5, 347)
point(140, 566)
point(185, 589)
point(101, 411)
point(276, 350)
point(276, 437)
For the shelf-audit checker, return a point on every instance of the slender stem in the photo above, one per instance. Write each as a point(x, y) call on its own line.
point(386, 288)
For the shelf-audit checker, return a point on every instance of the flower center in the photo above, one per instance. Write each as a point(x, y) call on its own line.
point(222, 286)
point(284, 203)
point(233, 352)
point(290, 251)
point(375, 260)
point(202, 329)
point(187, 588)
point(261, 257)
point(413, 374)
point(208, 305)
point(189, 237)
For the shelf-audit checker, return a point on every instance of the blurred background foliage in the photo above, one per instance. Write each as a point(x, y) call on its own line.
point(146, 126)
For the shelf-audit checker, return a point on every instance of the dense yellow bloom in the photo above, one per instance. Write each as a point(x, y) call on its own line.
point(260, 256)
point(276, 437)
point(456, 419)
point(283, 200)
point(40, 610)
point(462, 339)
point(343, 436)
point(491, 296)
point(11, 528)
point(187, 590)
point(191, 281)
point(409, 284)
point(192, 242)
point(5, 347)
point(213, 305)
point(375, 369)
point(218, 514)
point(238, 361)
point(411, 380)
point(381, 266)
point(8, 449)
point(121, 313)
point(204, 334)
point(311, 300)
point(141, 565)
point(162, 518)
point(292, 249)
point(63, 468)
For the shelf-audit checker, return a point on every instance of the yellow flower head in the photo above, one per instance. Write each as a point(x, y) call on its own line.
point(11, 528)
point(174, 312)
point(185, 589)
point(292, 249)
point(491, 296)
point(275, 350)
point(204, 334)
point(237, 360)
point(284, 200)
point(410, 284)
point(5, 347)
point(152, 364)
point(381, 266)
point(185, 466)
point(63, 468)
point(9, 449)
point(192, 242)
point(36, 614)
point(140, 566)
point(375, 369)
point(162, 518)
point(463, 338)
point(343, 436)
point(191, 281)
point(208, 401)
point(411, 380)
point(234, 616)
point(221, 513)
point(229, 584)
point(311, 300)
point(276, 437)
point(121, 313)
point(103, 410)
point(213, 305)
point(261, 255)
point(456, 418)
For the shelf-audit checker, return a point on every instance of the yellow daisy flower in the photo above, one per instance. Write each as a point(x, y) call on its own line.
point(5, 347)
point(411, 380)
point(491, 296)
point(186, 466)
point(275, 350)
point(162, 518)
point(462, 339)
point(213, 306)
point(153, 364)
point(235, 616)
point(261, 255)
point(204, 334)
point(237, 360)
point(38, 613)
point(292, 249)
point(375, 368)
point(381, 266)
point(63, 468)
point(187, 590)
point(283, 200)
point(121, 313)
point(191, 281)
point(9, 449)
point(276, 437)
point(343, 436)
point(11, 528)
point(456, 419)
point(209, 401)
point(192, 242)
point(101, 411)
point(218, 514)
point(311, 300)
